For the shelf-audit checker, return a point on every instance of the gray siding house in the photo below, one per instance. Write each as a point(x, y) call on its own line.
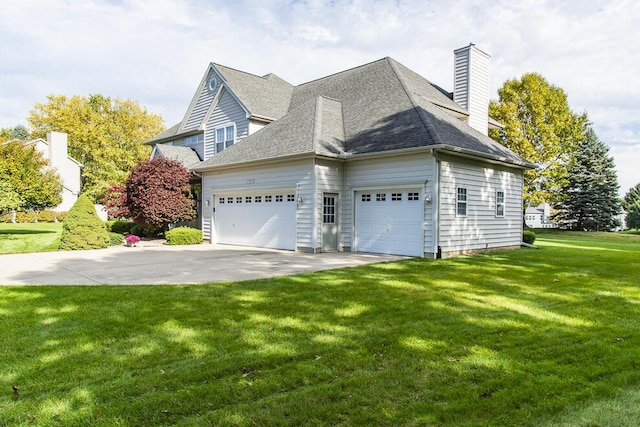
point(371, 159)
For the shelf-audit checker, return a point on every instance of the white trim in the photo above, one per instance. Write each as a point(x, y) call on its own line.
point(224, 127)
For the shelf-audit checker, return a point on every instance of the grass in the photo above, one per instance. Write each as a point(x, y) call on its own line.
point(547, 337)
point(25, 238)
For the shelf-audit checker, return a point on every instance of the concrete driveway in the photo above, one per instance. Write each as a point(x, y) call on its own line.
point(153, 263)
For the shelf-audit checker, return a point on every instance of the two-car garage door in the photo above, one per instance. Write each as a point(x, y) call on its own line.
point(386, 221)
point(389, 222)
point(263, 220)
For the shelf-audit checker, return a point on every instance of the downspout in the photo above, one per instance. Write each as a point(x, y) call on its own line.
point(437, 250)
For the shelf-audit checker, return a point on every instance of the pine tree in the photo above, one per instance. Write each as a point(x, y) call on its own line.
point(590, 199)
point(631, 204)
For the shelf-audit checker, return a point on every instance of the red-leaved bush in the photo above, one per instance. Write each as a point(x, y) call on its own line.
point(158, 194)
point(114, 201)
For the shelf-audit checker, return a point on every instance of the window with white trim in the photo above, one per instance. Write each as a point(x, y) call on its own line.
point(291, 197)
point(413, 196)
point(225, 137)
point(258, 199)
point(461, 201)
point(229, 199)
point(239, 199)
point(221, 199)
point(381, 197)
point(396, 197)
point(499, 203)
point(279, 197)
point(366, 197)
point(267, 199)
point(247, 199)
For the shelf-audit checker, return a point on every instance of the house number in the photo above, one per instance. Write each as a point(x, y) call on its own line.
point(251, 181)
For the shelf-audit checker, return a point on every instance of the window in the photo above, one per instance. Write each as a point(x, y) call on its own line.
point(258, 199)
point(279, 197)
point(247, 199)
point(239, 199)
point(267, 199)
point(194, 139)
point(229, 199)
point(366, 197)
point(461, 205)
point(381, 197)
point(499, 203)
point(225, 137)
point(396, 197)
point(413, 196)
point(221, 200)
point(290, 197)
point(329, 210)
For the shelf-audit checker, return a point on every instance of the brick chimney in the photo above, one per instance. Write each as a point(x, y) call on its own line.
point(471, 85)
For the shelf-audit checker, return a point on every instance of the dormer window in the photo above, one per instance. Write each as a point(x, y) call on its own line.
point(225, 137)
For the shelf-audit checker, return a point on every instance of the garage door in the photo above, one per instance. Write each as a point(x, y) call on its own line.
point(389, 222)
point(263, 220)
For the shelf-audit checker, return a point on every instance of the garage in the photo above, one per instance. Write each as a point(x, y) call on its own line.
point(389, 222)
point(263, 220)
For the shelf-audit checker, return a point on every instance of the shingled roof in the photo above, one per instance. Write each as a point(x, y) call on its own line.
point(377, 107)
point(183, 155)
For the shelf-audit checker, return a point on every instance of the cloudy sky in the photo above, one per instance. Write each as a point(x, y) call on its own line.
point(156, 51)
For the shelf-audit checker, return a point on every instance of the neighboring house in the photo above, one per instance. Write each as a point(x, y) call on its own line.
point(371, 159)
point(539, 216)
point(54, 149)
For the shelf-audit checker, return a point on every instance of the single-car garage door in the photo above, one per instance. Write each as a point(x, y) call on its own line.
point(263, 220)
point(389, 222)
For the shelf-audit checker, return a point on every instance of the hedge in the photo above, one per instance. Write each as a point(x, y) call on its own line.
point(184, 236)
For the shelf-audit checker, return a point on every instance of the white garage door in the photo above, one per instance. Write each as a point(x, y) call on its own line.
point(389, 222)
point(263, 220)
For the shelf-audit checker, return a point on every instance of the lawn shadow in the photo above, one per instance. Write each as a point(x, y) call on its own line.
point(489, 339)
point(25, 231)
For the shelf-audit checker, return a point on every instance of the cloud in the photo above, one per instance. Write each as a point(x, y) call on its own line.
point(155, 51)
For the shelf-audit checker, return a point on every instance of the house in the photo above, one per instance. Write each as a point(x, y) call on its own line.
point(371, 159)
point(54, 150)
point(539, 216)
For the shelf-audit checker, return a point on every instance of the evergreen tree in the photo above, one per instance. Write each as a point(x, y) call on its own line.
point(82, 228)
point(631, 204)
point(589, 199)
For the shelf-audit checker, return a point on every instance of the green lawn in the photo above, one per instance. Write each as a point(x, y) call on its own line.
point(23, 238)
point(547, 337)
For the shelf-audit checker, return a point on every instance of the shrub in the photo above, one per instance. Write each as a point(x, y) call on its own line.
point(120, 226)
point(83, 228)
point(528, 236)
point(60, 216)
point(115, 239)
point(47, 216)
point(184, 236)
point(26, 217)
point(139, 231)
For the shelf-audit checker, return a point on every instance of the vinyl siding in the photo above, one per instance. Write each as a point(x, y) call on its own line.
point(205, 97)
point(480, 228)
point(329, 179)
point(293, 176)
point(226, 112)
point(406, 171)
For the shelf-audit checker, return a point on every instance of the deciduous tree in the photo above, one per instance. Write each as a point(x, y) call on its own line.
point(539, 126)
point(631, 204)
point(28, 180)
point(159, 194)
point(589, 199)
point(114, 201)
point(105, 135)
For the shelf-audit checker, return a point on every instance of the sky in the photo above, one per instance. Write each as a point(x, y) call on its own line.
point(155, 52)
